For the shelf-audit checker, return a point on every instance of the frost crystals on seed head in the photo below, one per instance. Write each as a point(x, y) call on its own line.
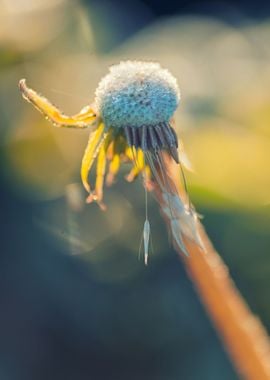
point(137, 93)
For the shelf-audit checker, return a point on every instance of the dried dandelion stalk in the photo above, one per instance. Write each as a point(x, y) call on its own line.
point(243, 335)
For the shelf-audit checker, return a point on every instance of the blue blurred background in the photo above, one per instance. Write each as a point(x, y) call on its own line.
point(75, 302)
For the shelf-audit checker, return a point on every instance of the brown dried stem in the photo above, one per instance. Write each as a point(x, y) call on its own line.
point(243, 335)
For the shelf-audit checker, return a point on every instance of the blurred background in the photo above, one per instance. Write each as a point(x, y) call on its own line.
point(75, 302)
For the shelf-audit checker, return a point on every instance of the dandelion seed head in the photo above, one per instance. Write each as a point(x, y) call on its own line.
point(137, 93)
point(136, 100)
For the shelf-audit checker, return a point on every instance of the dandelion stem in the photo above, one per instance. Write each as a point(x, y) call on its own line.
point(242, 334)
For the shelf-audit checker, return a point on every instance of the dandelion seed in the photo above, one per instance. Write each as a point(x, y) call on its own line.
point(146, 237)
point(146, 227)
point(130, 120)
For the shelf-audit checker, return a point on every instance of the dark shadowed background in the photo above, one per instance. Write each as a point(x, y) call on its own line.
point(75, 302)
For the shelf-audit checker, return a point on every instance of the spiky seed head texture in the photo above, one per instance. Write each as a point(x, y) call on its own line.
point(136, 93)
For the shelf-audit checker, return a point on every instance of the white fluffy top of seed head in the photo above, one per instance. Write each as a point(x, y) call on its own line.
point(136, 93)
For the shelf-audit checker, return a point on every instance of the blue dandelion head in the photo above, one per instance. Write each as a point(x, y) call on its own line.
point(137, 93)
